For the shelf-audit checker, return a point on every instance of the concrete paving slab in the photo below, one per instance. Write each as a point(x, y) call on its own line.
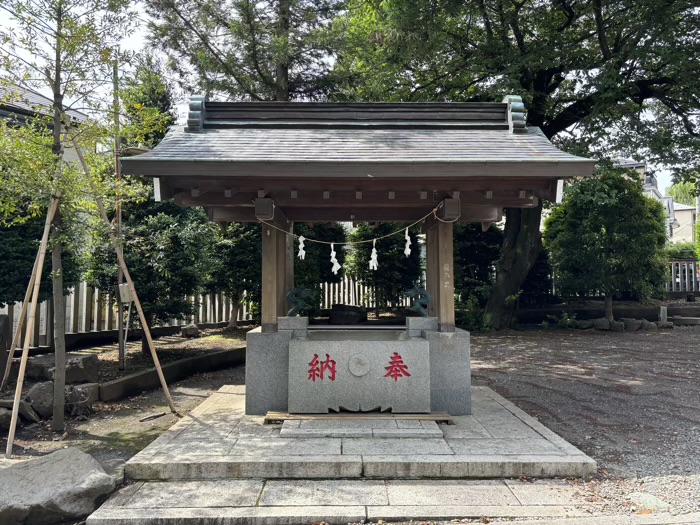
point(453, 492)
point(544, 492)
point(223, 467)
point(407, 433)
point(507, 447)
point(388, 446)
point(528, 447)
point(324, 492)
point(285, 447)
point(328, 433)
point(409, 467)
point(347, 424)
point(202, 494)
point(229, 516)
point(443, 512)
point(465, 427)
point(196, 447)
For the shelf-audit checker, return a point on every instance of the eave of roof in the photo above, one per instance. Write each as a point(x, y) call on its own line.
point(347, 153)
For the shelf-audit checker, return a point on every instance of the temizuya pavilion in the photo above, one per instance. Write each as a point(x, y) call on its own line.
point(316, 162)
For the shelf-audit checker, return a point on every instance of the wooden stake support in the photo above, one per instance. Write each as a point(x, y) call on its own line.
point(127, 277)
point(20, 325)
point(36, 282)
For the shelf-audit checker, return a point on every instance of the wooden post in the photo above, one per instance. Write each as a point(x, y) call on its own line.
point(99, 318)
point(446, 303)
point(127, 277)
point(89, 308)
point(75, 308)
point(55, 199)
point(110, 312)
point(20, 324)
point(440, 273)
point(270, 303)
point(289, 280)
point(49, 323)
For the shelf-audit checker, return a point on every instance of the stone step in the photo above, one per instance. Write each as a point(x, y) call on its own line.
point(685, 321)
point(380, 428)
point(409, 466)
point(263, 502)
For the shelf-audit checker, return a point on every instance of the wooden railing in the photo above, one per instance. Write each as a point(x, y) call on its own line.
point(88, 310)
point(683, 276)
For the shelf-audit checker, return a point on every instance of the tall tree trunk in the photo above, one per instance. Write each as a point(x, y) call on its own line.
point(522, 243)
point(609, 307)
point(282, 68)
point(59, 329)
point(59, 308)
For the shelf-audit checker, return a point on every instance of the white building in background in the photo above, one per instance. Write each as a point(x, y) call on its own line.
point(651, 190)
point(686, 219)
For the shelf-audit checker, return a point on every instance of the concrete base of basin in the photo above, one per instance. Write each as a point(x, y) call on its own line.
point(218, 441)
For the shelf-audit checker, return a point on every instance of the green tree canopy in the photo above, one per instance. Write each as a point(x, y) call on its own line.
point(168, 251)
point(590, 73)
point(395, 273)
point(606, 236)
point(235, 263)
point(683, 192)
point(315, 268)
point(475, 255)
point(245, 50)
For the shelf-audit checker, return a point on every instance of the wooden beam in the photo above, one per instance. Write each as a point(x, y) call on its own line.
point(468, 214)
point(273, 184)
point(364, 199)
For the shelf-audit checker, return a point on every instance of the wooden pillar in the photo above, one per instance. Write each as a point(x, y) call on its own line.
point(445, 253)
point(99, 319)
point(275, 251)
point(49, 323)
point(89, 308)
point(75, 308)
point(289, 247)
point(269, 279)
point(440, 273)
point(431, 268)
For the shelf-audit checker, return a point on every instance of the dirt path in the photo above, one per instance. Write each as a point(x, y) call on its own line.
point(629, 400)
point(115, 429)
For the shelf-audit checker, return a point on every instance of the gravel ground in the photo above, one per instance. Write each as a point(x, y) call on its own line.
point(629, 400)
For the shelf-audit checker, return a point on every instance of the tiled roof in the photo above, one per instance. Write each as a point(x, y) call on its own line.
point(357, 140)
point(30, 101)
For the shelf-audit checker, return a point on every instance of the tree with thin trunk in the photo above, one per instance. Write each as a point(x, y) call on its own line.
point(607, 238)
point(64, 47)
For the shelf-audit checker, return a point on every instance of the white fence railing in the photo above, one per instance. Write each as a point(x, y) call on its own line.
point(89, 310)
point(352, 292)
point(683, 276)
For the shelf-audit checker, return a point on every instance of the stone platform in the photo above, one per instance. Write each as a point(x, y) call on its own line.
point(217, 441)
point(218, 466)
